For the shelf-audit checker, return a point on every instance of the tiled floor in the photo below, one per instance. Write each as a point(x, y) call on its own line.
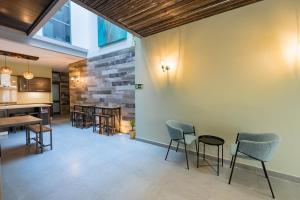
point(87, 166)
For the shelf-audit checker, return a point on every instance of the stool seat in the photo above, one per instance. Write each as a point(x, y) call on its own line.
point(36, 128)
point(101, 115)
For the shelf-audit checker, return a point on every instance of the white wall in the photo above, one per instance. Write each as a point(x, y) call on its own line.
point(238, 71)
point(79, 26)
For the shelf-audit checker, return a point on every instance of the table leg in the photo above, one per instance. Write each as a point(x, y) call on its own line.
point(27, 135)
point(218, 161)
point(222, 154)
point(198, 155)
point(203, 151)
point(37, 142)
point(41, 138)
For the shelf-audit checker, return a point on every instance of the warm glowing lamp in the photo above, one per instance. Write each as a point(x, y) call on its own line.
point(164, 67)
point(28, 75)
point(5, 69)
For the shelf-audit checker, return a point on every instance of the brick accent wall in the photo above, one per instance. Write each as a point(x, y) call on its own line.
point(107, 80)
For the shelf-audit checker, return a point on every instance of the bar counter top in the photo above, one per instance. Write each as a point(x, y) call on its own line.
point(17, 106)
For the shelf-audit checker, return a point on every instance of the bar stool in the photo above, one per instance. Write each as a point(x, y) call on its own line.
point(102, 122)
point(72, 117)
point(111, 120)
point(88, 117)
point(39, 143)
point(78, 118)
point(95, 124)
point(113, 123)
point(109, 124)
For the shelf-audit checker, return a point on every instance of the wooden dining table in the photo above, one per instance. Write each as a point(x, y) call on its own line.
point(7, 122)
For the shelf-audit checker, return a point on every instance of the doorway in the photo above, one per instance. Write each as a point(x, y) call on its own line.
point(56, 93)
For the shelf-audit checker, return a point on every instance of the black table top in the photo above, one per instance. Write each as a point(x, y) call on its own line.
point(211, 140)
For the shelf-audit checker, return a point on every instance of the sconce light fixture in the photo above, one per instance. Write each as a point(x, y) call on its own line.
point(164, 66)
point(76, 79)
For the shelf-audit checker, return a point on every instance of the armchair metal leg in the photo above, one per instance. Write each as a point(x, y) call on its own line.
point(177, 146)
point(231, 161)
point(234, 159)
point(196, 146)
point(236, 141)
point(168, 149)
point(266, 175)
point(186, 156)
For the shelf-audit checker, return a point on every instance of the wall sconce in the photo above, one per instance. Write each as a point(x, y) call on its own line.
point(75, 79)
point(164, 67)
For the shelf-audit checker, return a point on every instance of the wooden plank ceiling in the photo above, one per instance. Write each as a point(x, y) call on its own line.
point(147, 17)
point(23, 15)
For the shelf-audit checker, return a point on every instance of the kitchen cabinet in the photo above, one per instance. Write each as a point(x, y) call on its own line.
point(22, 84)
point(37, 84)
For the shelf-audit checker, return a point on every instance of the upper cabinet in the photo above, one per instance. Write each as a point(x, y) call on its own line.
point(37, 84)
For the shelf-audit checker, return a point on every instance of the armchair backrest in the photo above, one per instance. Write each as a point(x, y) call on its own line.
point(175, 132)
point(260, 146)
point(176, 129)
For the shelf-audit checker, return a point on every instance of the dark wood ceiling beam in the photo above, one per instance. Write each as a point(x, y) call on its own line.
point(139, 11)
point(150, 31)
point(18, 55)
point(96, 4)
point(112, 6)
point(145, 18)
point(37, 22)
point(79, 2)
point(24, 15)
point(143, 8)
point(172, 12)
point(195, 17)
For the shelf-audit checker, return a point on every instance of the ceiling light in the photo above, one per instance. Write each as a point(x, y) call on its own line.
point(28, 75)
point(5, 69)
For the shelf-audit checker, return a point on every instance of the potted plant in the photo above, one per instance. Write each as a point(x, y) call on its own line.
point(132, 131)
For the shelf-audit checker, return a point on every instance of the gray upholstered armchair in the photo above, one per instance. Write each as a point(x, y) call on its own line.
point(181, 133)
point(260, 147)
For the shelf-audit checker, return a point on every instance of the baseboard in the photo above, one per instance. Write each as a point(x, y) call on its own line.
point(227, 162)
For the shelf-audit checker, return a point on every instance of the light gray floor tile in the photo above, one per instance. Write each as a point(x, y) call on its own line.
point(88, 166)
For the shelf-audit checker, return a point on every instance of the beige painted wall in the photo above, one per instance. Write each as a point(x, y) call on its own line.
point(237, 71)
point(38, 71)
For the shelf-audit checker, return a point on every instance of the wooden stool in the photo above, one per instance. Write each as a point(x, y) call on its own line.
point(107, 125)
point(78, 118)
point(39, 143)
point(72, 117)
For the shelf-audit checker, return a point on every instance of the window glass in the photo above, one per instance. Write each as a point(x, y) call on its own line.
point(63, 15)
point(58, 27)
point(109, 33)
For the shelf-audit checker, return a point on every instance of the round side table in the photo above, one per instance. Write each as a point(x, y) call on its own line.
point(214, 141)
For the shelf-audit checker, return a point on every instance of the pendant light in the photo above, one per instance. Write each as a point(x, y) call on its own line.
point(5, 69)
point(28, 75)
